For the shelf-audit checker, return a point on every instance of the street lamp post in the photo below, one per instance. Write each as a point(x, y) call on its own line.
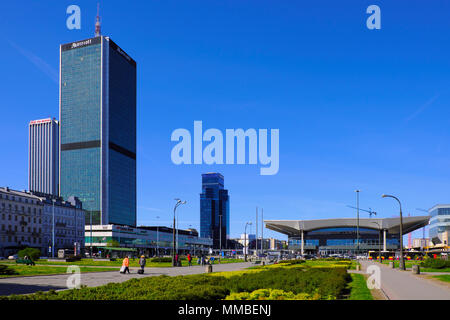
point(245, 240)
point(402, 261)
point(53, 228)
point(179, 202)
point(220, 237)
point(379, 241)
point(157, 238)
point(357, 221)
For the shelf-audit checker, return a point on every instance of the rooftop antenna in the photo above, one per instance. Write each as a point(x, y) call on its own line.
point(97, 22)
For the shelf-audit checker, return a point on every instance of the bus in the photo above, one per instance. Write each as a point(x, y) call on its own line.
point(385, 255)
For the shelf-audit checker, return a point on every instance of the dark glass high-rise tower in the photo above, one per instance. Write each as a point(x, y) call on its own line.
point(98, 129)
point(214, 210)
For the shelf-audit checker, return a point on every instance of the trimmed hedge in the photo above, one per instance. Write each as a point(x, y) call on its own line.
point(292, 261)
point(4, 270)
point(161, 259)
point(435, 264)
point(271, 294)
point(320, 283)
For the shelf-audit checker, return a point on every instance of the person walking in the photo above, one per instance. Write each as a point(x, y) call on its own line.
point(189, 258)
point(126, 264)
point(142, 262)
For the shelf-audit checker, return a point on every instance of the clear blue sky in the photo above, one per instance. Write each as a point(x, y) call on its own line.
point(356, 108)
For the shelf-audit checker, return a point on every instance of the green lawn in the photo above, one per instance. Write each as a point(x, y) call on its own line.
point(117, 263)
point(445, 278)
point(409, 264)
point(358, 288)
point(24, 270)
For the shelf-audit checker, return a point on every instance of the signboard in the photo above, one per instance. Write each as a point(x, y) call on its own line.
point(41, 121)
point(80, 44)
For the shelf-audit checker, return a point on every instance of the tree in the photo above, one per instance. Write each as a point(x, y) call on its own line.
point(112, 243)
point(33, 253)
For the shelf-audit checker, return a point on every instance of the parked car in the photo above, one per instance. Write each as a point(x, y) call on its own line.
point(13, 257)
point(2, 258)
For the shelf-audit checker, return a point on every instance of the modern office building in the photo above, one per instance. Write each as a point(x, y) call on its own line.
point(43, 156)
point(214, 210)
point(98, 129)
point(439, 227)
point(329, 236)
point(62, 224)
point(151, 241)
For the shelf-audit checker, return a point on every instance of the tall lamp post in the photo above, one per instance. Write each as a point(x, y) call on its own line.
point(379, 241)
point(220, 236)
point(157, 238)
point(245, 240)
point(402, 261)
point(53, 229)
point(357, 221)
point(179, 202)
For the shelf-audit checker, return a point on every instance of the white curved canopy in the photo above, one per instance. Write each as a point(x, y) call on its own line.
point(391, 225)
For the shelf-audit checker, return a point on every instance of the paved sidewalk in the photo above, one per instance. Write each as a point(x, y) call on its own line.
point(24, 285)
point(404, 285)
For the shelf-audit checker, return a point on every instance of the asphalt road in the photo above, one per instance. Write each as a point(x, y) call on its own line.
point(24, 285)
point(404, 285)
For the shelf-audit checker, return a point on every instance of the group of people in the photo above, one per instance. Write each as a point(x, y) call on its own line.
point(126, 264)
point(202, 260)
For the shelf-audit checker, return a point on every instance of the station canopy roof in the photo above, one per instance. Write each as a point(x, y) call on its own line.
point(391, 225)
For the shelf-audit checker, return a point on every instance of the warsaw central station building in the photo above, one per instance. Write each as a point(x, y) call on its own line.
point(346, 235)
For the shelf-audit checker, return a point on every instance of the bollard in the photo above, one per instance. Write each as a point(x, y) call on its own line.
point(208, 269)
point(391, 264)
point(415, 269)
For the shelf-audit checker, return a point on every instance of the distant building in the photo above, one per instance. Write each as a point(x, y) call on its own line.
point(21, 217)
point(214, 210)
point(26, 220)
point(439, 226)
point(248, 240)
point(275, 244)
point(43, 156)
point(148, 240)
point(98, 129)
point(420, 243)
point(63, 220)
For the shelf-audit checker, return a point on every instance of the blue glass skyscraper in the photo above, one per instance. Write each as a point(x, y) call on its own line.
point(98, 129)
point(214, 210)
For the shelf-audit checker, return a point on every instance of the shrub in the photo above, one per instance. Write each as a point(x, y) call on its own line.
point(271, 294)
point(33, 253)
point(4, 270)
point(277, 283)
point(435, 264)
point(161, 259)
point(292, 262)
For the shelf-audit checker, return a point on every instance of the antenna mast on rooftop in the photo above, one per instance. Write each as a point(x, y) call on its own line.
point(97, 22)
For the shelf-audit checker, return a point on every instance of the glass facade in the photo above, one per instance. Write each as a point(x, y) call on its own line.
point(343, 238)
point(141, 237)
point(214, 210)
point(98, 130)
point(439, 224)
